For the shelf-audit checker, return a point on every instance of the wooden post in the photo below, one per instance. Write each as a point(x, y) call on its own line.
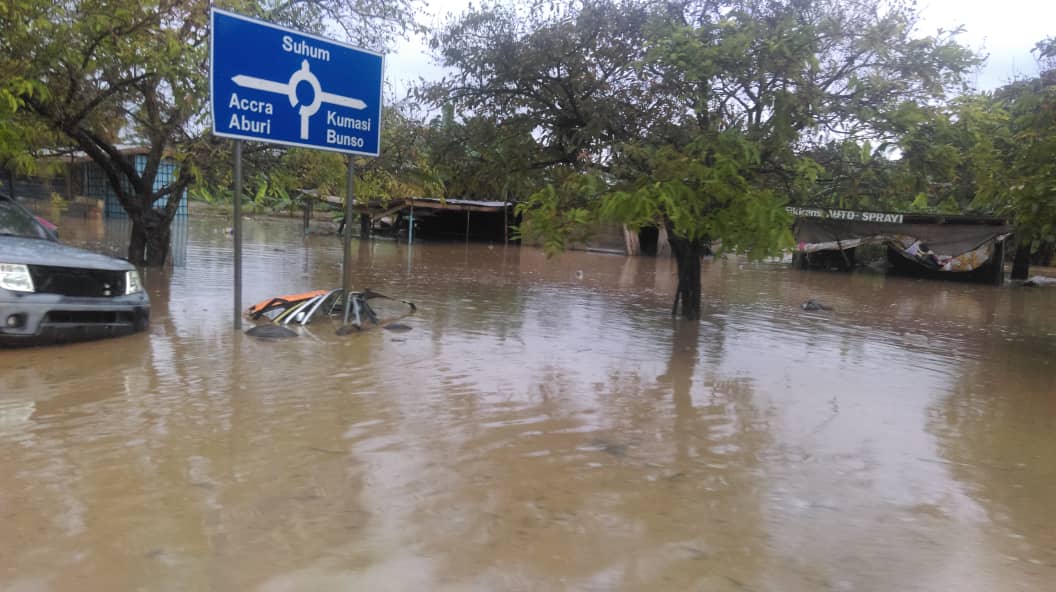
point(998, 260)
point(467, 226)
point(69, 181)
point(1021, 262)
point(410, 226)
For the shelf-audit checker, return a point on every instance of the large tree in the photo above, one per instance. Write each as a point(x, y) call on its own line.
point(990, 153)
point(472, 158)
point(125, 71)
point(1024, 189)
point(566, 71)
point(697, 116)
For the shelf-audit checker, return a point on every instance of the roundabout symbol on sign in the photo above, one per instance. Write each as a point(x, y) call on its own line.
point(307, 110)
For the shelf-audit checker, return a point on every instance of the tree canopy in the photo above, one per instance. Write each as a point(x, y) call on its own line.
point(699, 116)
point(108, 72)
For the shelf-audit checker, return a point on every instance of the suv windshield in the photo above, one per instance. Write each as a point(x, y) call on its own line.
point(17, 221)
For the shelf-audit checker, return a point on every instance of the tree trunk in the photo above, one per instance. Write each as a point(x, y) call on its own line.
point(663, 244)
point(688, 255)
point(631, 243)
point(364, 225)
point(151, 239)
point(11, 183)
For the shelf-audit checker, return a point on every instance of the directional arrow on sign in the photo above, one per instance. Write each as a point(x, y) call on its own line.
point(304, 74)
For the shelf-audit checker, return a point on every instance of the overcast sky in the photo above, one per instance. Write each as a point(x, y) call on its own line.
point(1004, 29)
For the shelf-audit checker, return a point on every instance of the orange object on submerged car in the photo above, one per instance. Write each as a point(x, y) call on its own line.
point(281, 302)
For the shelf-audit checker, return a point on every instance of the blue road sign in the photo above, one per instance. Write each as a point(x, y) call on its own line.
point(272, 84)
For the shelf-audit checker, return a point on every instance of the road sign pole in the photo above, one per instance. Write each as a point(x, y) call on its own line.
point(274, 84)
point(346, 267)
point(236, 227)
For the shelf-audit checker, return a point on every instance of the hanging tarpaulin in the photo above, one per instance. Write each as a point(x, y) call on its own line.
point(923, 253)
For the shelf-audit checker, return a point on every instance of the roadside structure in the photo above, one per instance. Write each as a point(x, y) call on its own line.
point(927, 245)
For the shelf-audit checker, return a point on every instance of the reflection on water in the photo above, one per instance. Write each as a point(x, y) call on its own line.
point(544, 426)
point(1010, 472)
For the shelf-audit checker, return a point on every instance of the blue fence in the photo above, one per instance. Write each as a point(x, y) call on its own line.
point(96, 185)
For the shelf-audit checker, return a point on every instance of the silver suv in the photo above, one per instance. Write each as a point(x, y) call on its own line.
point(51, 292)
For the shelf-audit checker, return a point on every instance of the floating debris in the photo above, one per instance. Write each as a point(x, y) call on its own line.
point(352, 308)
point(814, 305)
point(1039, 281)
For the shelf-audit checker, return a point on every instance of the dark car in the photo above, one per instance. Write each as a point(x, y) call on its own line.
point(51, 292)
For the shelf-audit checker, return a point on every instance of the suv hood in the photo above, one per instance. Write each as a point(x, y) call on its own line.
point(32, 251)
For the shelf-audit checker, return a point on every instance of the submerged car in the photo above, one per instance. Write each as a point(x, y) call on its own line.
point(53, 293)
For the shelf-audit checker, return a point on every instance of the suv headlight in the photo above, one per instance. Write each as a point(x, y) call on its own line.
point(15, 277)
point(132, 282)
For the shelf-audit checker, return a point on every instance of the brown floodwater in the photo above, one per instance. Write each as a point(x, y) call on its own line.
point(544, 426)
